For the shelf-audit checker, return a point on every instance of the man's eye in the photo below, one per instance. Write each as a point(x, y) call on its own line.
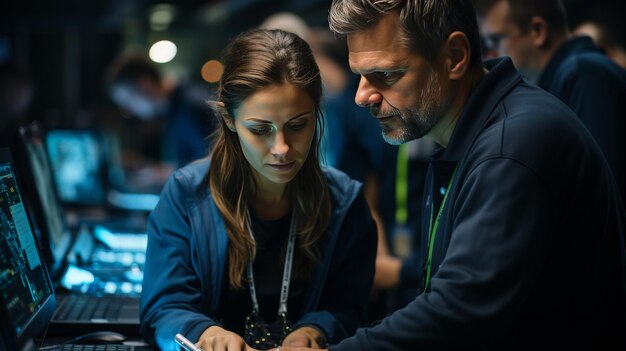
point(389, 77)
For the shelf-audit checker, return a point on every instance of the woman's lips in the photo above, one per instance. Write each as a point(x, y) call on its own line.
point(282, 166)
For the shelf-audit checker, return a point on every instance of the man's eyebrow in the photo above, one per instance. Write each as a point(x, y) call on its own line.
point(379, 69)
point(368, 70)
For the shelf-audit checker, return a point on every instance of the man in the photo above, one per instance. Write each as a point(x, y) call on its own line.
point(534, 33)
point(525, 243)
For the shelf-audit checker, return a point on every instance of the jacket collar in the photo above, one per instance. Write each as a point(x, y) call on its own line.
point(502, 77)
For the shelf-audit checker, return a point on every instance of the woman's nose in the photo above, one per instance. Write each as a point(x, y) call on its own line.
point(279, 146)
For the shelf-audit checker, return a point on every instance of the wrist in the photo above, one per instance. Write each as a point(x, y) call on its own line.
point(314, 333)
point(388, 270)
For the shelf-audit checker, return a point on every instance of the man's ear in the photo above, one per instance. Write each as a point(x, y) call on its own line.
point(225, 116)
point(459, 53)
point(539, 31)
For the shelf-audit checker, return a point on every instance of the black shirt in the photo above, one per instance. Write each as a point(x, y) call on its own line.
point(235, 305)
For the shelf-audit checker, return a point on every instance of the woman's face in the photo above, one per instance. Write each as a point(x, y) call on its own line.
point(276, 126)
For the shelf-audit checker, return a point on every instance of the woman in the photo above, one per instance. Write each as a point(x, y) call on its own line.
point(227, 229)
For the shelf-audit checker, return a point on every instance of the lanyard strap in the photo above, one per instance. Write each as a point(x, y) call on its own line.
point(284, 291)
point(432, 229)
point(402, 187)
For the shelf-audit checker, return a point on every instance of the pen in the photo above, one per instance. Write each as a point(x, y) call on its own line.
point(185, 343)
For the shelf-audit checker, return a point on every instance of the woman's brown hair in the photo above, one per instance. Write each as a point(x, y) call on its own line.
point(253, 61)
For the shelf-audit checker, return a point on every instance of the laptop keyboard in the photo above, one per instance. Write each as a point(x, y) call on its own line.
point(73, 347)
point(109, 288)
point(89, 308)
point(76, 347)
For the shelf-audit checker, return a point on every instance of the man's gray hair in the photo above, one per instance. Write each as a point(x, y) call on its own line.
point(425, 24)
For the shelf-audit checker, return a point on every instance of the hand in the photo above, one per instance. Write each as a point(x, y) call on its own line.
point(304, 337)
point(387, 272)
point(215, 338)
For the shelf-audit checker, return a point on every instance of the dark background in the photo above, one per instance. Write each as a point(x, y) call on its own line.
point(66, 45)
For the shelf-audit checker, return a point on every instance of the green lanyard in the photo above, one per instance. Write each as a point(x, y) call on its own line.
point(402, 184)
point(433, 229)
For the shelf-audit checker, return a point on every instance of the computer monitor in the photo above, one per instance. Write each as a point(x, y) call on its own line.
point(26, 293)
point(86, 165)
point(36, 175)
point(77, 164)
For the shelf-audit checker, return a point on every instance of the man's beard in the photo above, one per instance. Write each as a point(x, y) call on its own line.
point(416, 121)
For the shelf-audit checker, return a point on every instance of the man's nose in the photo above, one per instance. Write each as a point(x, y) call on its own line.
point(366, 94)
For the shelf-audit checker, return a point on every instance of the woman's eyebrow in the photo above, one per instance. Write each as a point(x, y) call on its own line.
point(260, 120)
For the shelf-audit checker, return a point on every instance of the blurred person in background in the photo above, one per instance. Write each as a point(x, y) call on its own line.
point(176, 122)
point(535, 34)
point(287, 21)
point(606, 37)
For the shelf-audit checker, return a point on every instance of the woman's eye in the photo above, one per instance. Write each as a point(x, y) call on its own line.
point(298, 126)
point(260, 130)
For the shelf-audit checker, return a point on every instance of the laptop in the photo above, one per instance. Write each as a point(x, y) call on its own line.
point(27, 299)
point(89, 305)
point(87, 170)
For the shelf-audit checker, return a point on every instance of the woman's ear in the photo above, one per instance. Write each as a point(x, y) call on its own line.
point(225, 116)
point(230, 125)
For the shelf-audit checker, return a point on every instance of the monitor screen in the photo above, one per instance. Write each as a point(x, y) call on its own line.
point(25, 289)
point(48, 209)
point(77, 167)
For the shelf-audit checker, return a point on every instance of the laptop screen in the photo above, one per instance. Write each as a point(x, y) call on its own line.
point(77, 166)
point(25, 289)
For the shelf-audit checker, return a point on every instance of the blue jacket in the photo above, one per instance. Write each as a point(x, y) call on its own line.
point(529, 252)
point(186, 261)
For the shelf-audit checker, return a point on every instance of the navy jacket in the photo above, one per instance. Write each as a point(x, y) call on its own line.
point(530, 248)
point(186, 261)
point(594, 87)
